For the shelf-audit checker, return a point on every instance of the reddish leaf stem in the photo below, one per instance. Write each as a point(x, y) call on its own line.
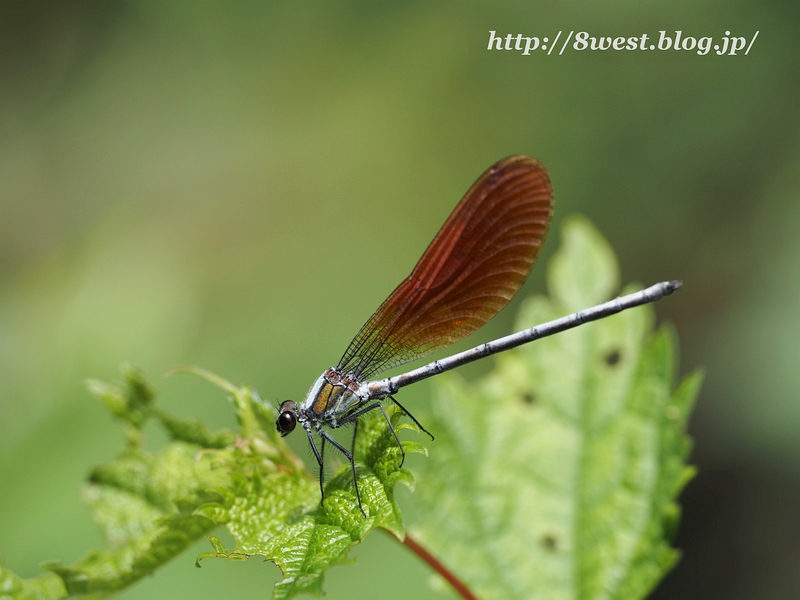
point(437, 566)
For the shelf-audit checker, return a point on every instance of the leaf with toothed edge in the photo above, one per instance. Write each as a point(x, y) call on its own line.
point(151, 506)
point(555, 476)
point(280, 518)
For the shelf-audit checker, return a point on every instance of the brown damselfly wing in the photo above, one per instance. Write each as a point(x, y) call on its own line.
point(476, 263)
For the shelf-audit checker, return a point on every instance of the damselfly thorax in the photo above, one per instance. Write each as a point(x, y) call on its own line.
point(332, 396)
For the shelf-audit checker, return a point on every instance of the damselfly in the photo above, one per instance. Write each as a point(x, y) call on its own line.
point(476, 263)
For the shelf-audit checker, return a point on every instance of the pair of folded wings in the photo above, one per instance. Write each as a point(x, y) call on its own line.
point(476, 263)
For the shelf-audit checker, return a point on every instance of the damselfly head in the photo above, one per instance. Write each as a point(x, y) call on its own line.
point(287, 419)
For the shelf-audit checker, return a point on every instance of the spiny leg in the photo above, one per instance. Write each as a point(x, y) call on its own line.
point(319, 458)
point(322, 470)
point(410, 416)
point(349, 456)
point(353, 443)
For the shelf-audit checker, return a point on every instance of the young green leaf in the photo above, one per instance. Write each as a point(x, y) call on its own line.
point(144, 504)
point(131, 402)
point(151, 506)
point(44, 587)
point(278, 515)
point(555, 476)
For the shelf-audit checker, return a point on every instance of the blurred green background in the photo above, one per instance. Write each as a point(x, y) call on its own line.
point(239, 185)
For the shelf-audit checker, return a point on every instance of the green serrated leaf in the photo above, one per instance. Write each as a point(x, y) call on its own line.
point(104, 572)
point(278, 515)
point(213, 511)
point(555, 476)
point(145, 504)
point(150, 506)
point(585, 270)
point(44, 587)
point(180, 470)
point(217, 545)
point(256, 417)
point(195, 432)
point(130, 401)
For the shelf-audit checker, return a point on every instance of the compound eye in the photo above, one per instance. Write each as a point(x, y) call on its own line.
point(286, 422)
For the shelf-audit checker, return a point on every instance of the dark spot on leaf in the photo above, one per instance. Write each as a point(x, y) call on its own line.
point(612, 358)
point(549, 542)
point(528, 397)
